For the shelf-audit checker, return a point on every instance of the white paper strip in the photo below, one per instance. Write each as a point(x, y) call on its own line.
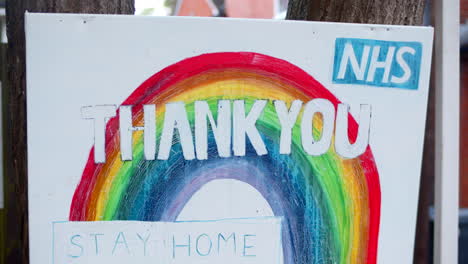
point(255, 240)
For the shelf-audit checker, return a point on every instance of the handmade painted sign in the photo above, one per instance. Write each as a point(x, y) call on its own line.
point(189, 140)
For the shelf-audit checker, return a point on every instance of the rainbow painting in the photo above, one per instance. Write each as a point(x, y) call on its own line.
point(330, 205)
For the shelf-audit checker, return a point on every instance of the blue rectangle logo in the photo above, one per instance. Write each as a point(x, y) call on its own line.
point(377, 63)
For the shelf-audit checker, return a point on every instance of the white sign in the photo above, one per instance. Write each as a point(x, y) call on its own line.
point(138, 123)
point(227, 241)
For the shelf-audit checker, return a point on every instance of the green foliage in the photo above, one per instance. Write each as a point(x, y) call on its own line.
point(171, 4)
point(147, 11)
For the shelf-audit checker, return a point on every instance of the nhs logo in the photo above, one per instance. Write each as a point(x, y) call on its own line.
point(377, 63)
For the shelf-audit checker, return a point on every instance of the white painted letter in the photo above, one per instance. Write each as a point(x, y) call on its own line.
point(149, 140)
point(127, 128)
point(327, 110)
point(349, 56)
point(99, 114)
point(245, 126)
point(404, 66)
point(342, 145)
point(374, 64)
point(221, 129)
point(287, 120)
point(176, 118)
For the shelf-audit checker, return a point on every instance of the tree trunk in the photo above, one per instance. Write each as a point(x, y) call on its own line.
point(14, 110)
point(394, 12)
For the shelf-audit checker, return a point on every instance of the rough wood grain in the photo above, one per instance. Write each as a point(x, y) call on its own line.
point(394, 12)
point(14, 110)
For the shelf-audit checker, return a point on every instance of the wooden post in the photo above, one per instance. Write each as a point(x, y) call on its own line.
point(392, 12)
point(447, 103)
point(14, 111)
point(2, 211)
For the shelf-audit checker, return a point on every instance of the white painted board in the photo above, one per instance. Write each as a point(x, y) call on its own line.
point(260, 83)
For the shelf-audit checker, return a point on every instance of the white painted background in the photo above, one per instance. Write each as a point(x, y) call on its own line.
point(72, 64)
